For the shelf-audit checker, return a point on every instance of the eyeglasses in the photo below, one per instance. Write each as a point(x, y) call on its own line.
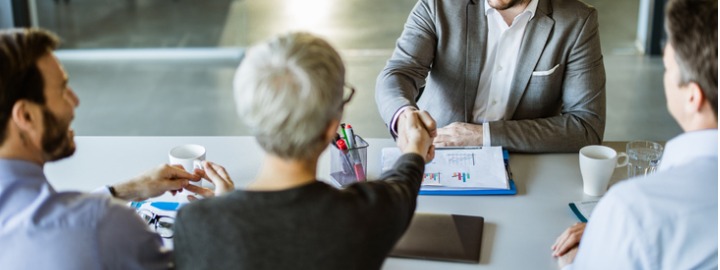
point(162, 225)
point(348, 93)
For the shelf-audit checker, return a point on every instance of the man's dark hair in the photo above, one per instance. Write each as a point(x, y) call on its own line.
point(692, 27)
point(20, 78)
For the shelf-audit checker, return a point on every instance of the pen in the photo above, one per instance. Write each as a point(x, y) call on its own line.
point(347, 165)
point(345, 137)
point(341, 145)
point(350, 136)
point(359, 172)
point(357, 161)
point(334, 142)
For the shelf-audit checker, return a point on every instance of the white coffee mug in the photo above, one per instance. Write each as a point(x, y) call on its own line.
point(597, 164)
point(190, 156)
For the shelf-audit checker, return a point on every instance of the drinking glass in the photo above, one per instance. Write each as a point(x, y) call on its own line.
point(644, 158)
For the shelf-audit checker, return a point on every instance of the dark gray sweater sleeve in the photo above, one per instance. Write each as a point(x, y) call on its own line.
point(395, 193)
point(406, 177)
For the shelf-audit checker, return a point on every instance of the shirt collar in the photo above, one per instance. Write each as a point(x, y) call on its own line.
point(531, 7)
point(12, 170)
point(689, 146)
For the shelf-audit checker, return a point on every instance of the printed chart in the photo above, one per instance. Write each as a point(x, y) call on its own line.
point(460, 168)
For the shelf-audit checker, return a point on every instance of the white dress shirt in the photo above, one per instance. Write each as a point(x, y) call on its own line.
point(668, 220)
point(501, 52)
point(499, 69)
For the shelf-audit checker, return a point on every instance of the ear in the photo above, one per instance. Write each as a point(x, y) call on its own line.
point(26, 115)
point(695, 97)
point(332, 130)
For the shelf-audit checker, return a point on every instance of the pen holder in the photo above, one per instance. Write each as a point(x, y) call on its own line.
point(349, 166)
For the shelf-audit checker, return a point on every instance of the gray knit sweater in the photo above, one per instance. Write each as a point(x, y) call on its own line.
point(314, 226)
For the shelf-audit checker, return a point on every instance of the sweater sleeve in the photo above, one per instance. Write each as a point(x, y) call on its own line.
point(394, 194)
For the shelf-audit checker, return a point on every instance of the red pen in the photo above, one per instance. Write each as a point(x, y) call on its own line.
point(359, 172)
point(347, 165)
point(341, 145)
point(357, 162)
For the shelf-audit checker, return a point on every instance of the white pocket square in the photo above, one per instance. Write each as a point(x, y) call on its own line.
point(546, 72)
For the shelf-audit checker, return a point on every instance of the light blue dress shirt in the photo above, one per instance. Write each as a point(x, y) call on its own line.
point(44, 229)
point(668, 220)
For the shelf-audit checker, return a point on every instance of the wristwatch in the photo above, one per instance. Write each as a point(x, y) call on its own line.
point(112, 191)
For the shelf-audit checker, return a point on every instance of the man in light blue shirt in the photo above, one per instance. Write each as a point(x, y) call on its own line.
point(668, 220)
point(39, 227)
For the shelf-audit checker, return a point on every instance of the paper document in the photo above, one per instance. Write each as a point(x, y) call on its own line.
point(459, 168)
point(158, 212)
point(583, 209)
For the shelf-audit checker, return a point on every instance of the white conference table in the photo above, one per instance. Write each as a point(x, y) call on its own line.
point(519, 229)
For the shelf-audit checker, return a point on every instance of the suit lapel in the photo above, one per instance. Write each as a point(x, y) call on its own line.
point(476, 25)
point(533, 43)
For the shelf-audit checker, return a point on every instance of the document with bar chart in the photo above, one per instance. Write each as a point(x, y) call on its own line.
point(460, 168)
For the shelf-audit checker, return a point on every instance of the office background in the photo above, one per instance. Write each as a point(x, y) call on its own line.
point(165, 67)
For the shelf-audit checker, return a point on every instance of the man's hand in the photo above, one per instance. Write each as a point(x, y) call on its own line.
point(217, 175)
point(425, 118)
point(414, 135)
point(459, 134)
point(569, 239)
point(567, 258)
point(155, 182)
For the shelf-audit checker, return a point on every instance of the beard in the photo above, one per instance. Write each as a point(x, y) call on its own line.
point(57, 140)
point(512, 3)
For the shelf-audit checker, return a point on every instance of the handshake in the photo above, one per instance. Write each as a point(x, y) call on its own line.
point(416, 131)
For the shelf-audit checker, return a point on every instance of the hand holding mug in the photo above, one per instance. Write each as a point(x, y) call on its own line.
point(217, 175)
point(155, 182)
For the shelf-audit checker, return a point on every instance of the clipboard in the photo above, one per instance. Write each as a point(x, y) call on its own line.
point(583, 209)
point(473, 192)
point(512, 190)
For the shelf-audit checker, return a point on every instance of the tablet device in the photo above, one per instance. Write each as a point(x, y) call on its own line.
point(441, 237)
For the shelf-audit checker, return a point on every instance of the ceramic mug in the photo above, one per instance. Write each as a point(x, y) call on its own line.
point(190, 156)
point(597, 164)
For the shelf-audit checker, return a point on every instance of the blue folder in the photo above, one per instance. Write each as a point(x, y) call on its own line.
point(511, 191)
point(577, 212)
point(474, 192)
point(166, 206)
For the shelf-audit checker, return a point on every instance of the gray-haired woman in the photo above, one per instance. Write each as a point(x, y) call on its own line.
point(289, 90)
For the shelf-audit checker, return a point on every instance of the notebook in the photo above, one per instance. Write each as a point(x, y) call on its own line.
point(583, 209)
point(441, 237)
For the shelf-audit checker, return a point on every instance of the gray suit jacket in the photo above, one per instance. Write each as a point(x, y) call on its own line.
point(442, 49)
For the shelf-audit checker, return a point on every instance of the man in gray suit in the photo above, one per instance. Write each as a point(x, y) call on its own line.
point(527, 75)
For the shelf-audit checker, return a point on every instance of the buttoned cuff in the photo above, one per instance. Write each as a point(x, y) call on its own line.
point(393, 123)
point(486, 135)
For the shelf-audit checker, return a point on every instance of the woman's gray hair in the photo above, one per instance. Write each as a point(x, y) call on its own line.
point(288, 90)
